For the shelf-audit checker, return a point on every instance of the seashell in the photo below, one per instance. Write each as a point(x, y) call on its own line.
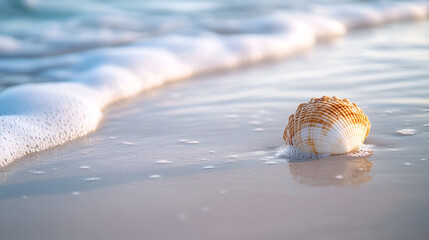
point(327, 126)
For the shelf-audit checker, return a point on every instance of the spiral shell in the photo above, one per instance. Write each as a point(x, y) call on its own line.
point(327, 126)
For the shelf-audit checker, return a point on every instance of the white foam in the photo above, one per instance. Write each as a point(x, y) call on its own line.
point(293, 153)
point(406, 132)
point(208, 167)
point(163, 162)
point(35, 117)
point(155, 176)
point(92, 179)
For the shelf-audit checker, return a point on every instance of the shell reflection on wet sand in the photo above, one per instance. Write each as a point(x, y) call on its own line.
point(331, 171)
point(327, 126)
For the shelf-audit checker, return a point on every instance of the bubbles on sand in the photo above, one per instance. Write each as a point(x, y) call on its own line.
point(407, 164)
point(84, 167)
point(258, 129)
point(154, 176)
point(92, 179)
point(75, 193)
point(341, 176)
point(393, 149)
point(37, 172)
point(128, 143)
point(406, 132)
point(363, 150)
point(208, 167)
point(188, 141)
point(422, 159)
point(163, 162)
point(291, 152)
point(390, 111)
point(232, 158)
point(267, 158)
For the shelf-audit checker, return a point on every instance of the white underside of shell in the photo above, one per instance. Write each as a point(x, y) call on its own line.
point(339, 138)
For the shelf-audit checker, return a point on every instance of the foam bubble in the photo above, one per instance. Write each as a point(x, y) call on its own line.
point(163, 162)
point(92, 179)
point(406, 132)
point(361, 151)
point(208, 167)
point(155, 176)
point(37, 172)
point(291, 152)
point(258, 129)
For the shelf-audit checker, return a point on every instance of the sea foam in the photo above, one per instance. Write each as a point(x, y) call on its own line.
point(34, 117)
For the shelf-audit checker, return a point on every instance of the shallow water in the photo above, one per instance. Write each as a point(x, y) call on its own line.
point(197, 159)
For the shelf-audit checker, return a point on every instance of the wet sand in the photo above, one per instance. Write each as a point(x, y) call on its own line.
point(196, 159)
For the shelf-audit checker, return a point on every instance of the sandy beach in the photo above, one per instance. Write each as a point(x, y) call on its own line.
point(196, 159)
